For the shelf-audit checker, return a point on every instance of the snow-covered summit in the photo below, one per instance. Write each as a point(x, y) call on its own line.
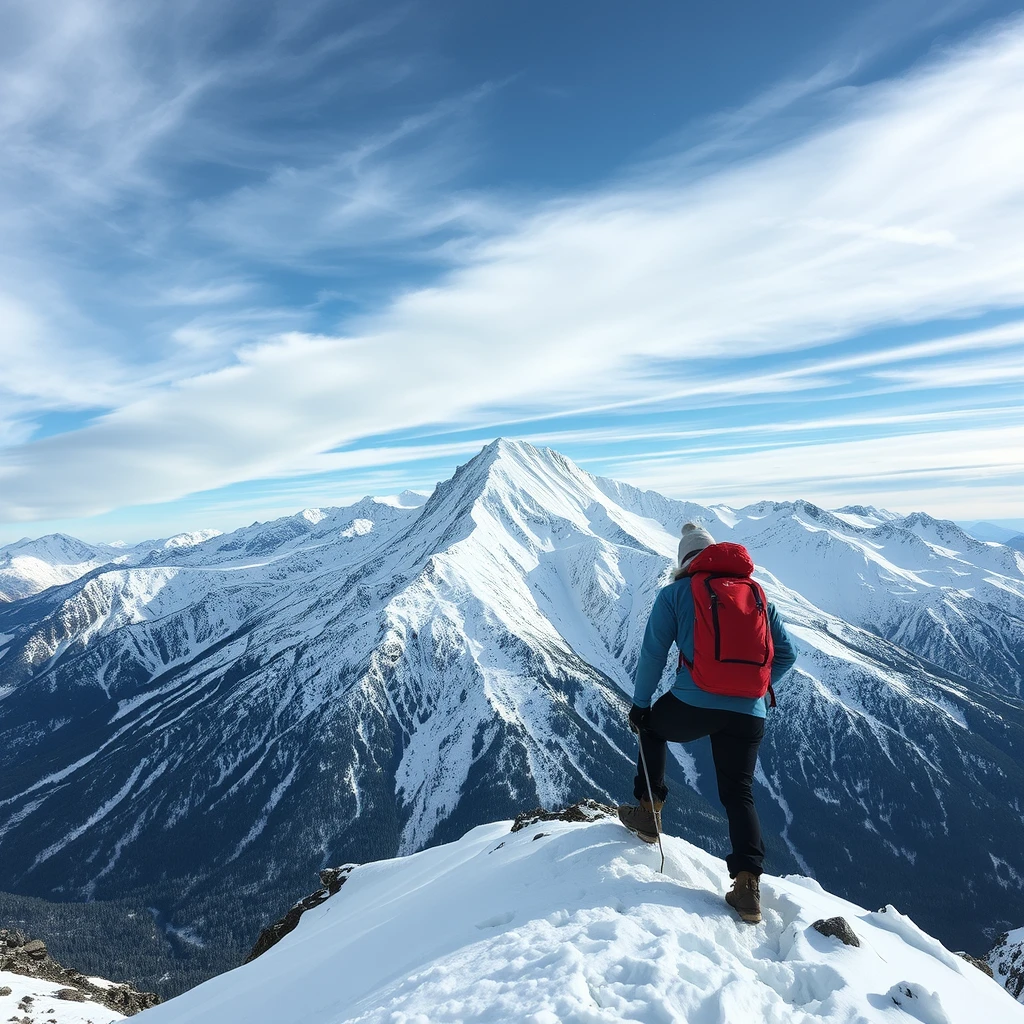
point(865, 515)
point(406, 499)
point(562, 923)
point(29, 566)
point(191, 539)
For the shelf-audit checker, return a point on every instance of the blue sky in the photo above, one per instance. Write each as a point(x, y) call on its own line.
point(262, 256)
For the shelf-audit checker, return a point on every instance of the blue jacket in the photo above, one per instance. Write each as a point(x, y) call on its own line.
point(671, 622)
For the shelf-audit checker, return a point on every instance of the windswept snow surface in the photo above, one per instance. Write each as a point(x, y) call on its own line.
point(43, 1006)
point(572, 924)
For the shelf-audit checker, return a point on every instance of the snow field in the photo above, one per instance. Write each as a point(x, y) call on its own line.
point(44, 1004)
point(572, 924)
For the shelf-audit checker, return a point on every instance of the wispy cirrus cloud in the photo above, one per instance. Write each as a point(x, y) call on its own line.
point(906, 473)
point(901, 204)
point(112, 115)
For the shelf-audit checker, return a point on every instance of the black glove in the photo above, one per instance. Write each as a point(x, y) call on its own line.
point(638, 718)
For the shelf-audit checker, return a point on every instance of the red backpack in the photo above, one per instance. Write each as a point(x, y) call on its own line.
point(732, 639)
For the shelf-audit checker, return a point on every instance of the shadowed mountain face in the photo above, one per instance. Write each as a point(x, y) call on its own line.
point(234, 713)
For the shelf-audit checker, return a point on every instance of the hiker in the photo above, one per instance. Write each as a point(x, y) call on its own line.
point(712, 605)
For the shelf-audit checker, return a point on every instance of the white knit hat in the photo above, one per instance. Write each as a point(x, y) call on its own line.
point(695, 539)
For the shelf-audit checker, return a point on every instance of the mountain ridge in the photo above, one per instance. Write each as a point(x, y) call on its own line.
point(364, 681)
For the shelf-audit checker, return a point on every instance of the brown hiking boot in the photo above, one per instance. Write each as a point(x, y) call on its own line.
point(643, 821)
point(745, 896)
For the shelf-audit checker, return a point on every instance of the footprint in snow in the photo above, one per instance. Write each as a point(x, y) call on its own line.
point(497, 921)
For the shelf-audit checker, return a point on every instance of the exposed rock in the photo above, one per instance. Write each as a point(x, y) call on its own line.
point(126, 1000)
point(839, 928)
point(5, 990)
point(1007, 960)
point(12, 938)
point(28, 957)
point(332, 878)
point(980, 964)
point(585, 810)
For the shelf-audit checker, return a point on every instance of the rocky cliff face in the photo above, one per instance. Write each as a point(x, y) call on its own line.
point(1007, 962)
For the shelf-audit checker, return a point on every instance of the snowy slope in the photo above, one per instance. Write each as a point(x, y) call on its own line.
point(348, 684)
point(36, 1000)
point(563, 923)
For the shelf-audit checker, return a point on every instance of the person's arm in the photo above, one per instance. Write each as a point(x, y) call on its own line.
point(658, 638)
point(785, 652)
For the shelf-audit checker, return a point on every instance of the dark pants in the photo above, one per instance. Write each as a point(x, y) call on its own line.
point(735, 738)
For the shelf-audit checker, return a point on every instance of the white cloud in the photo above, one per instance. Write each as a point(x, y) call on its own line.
point(390, 187)
point(948, 472)
point(906, 205)
point(208, 293)
point(965, 373)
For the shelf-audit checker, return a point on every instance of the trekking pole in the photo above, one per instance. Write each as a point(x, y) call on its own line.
point(650, 796)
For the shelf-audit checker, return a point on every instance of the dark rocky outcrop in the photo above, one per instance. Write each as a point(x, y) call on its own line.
point(980, 964)
point(839, 928)
point(584, 810)
point(332, 878)
point(29, 957)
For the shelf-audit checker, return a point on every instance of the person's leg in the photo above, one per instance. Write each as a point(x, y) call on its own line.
point(670, 721)
point(734, 748)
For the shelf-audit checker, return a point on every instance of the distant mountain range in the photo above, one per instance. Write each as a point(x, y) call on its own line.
point(997, 533)
point(29, 566)
point(181, 721)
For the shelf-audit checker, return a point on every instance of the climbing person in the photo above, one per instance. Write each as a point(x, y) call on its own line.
point(732, 649)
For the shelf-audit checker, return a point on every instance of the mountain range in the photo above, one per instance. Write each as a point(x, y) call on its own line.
point(183, 721)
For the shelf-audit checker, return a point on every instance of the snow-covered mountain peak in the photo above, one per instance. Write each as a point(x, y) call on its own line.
point(52, 547)
point(29, 566)
point(190, 540)
point(529, 488)
point(509, 467)
point(562, 922)
point(406, 499)
point(865, 515)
